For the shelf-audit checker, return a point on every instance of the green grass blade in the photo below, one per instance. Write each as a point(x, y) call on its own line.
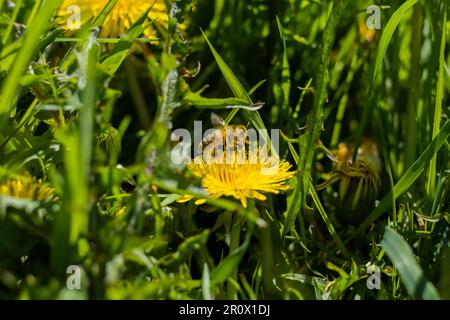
point(100, 19)
point(73, 220)
point(206, 283)
point(385, 40)
point(431, 183)
point(200, 102)
point(227, 266)
point(238, 90)
point(411, 274)
point(122, 48)
point(10, 26)
point(256, 87)
point(235, 85)
point(285, 72)
point(26, 53)
point(308, 142)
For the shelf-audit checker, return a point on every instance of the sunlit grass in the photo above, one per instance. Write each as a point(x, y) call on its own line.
point(87, 135)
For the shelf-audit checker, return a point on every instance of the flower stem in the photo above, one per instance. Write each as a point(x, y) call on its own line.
point(234, 244)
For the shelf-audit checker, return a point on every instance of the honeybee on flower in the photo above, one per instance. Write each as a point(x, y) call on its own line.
point(241, 170)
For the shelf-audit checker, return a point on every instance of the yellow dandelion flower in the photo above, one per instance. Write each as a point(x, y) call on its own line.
point(119, 20)
point(27, 188)
point(242, 177)
point(187, 197)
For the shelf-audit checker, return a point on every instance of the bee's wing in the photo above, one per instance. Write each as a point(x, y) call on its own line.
point(217, 120)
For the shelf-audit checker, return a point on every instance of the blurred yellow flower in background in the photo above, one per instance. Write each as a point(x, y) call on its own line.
point(365, 33)
point(27, 187)
point(120, 19)
point(358, 181)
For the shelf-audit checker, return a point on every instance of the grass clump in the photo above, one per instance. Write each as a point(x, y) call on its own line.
point(93, 118)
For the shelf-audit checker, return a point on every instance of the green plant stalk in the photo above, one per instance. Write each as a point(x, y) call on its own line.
point(72, 222)
point(321, 210)
point(107, 40)
point(10, 26)
point(413, 100)
point(431, 182)
point(251, 294)
point(34, 11)
point(391, 181)
point(285, 73)
point(307, 149)
point(295, 205)
point(218, 15)
point(235, 237)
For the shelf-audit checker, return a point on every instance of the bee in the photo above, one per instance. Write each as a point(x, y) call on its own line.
point(222, 133)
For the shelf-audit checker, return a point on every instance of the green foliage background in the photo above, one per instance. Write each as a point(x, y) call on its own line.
point(92, 118)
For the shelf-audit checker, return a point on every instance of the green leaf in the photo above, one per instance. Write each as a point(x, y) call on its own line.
point(100, 19)
point(200, 102)
point(431, 183)
point(256, 87)
point(206, 283)
point(385, 40)
point(25, 54)
point(238, 90)
point(169, 94)
point(233, 82)
point(188, 246)
point(386, 37)
point(411, 274)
